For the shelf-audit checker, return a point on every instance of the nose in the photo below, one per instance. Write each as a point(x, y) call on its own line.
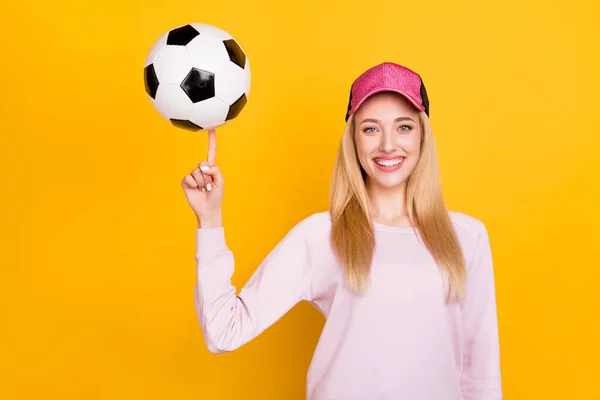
point(387, 142)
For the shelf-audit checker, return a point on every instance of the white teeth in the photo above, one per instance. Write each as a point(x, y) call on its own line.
point(389, 163)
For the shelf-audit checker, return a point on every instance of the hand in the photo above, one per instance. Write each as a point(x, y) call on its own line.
point(203, 187)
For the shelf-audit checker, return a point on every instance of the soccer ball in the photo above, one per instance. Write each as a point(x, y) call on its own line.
point(197, 77)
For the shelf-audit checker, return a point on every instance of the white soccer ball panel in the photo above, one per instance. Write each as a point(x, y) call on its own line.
point(211, 31)
point(247, 73)
point(172, 64)
point(207, 53)
point(156, 48)
point(230, 82)
point(209, 113)
point(173, 102)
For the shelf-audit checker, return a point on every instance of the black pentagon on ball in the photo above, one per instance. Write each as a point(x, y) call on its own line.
point(236, 107)
point(236, 54)
point(150, 80)
point(185, 124)
point(199, 85)
point(182, 36)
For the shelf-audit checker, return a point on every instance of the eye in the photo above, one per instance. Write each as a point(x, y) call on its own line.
point(367, 129)
point(407, 126)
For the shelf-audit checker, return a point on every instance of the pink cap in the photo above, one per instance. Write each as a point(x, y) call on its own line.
point(388, 77)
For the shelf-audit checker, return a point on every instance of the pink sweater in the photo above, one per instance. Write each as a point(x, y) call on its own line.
point(398, 341)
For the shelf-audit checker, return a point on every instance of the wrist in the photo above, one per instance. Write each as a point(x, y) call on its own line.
point(212, 219)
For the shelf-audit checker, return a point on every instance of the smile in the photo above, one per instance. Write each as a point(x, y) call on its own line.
point(389, 165)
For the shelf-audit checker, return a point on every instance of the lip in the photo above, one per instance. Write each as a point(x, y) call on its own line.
point(391, 168)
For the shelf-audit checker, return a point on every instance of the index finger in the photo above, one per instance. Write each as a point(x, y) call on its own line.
point(212, 146)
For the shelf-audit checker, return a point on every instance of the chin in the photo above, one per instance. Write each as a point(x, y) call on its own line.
point(391, 185)
point(388, 183)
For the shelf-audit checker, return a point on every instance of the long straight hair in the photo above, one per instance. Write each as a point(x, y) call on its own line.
point(352, 232)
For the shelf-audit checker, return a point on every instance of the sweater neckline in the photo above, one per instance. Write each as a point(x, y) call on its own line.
point(392, 228)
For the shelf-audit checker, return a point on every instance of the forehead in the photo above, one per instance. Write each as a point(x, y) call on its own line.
point(386, 104)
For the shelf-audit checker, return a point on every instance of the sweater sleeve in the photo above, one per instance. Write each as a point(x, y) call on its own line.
point(481, 378)
point(282, 279)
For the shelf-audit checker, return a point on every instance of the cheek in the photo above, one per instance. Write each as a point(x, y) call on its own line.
point(414, 151)
point(413, 144)
point(364, 148)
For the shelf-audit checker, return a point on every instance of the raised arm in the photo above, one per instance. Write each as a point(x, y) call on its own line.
point(480, 379)
point(281, 280)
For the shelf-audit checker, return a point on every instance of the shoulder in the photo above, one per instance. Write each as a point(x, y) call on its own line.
point(472, 233)
point(313, 228)
point(467, 225)
point(317, 220)
point(314, 224)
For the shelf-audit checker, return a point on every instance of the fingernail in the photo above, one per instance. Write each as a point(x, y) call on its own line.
point(203, 190)
point(204, 168)
point(208, 187)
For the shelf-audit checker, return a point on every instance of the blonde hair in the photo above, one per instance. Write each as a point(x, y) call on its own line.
point(352, 232)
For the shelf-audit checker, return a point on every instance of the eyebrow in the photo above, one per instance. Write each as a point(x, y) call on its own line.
point(378, 121)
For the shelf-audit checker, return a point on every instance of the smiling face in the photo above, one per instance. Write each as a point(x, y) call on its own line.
point(387, 136)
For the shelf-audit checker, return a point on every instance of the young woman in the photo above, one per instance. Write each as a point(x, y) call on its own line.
point(406, 286)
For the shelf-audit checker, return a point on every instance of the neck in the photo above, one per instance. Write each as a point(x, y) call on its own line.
point(387, 205)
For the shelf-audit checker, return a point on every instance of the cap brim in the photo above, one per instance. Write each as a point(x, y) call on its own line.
point(413, 101)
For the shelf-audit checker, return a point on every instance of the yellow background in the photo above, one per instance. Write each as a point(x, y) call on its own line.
point(98, 240)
